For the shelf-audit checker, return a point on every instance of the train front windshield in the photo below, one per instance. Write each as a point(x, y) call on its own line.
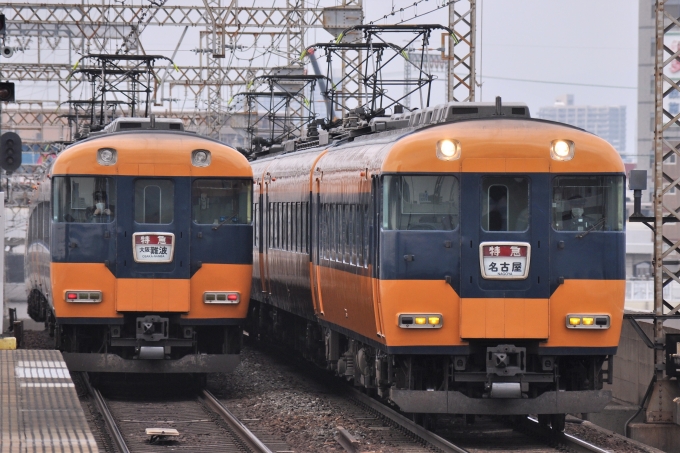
point(84, 199)
point(420, 202)
point(586, 202)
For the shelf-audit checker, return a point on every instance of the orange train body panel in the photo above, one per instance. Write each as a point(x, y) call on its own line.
point(514, 318)
point(220, 277)
point(83, 276)
point(471, 318)
point(347, 300)
point(568, 299)
point(149, 295)
point(152, 295)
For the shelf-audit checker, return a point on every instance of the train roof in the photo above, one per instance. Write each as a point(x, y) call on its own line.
point(151, 153)
point(491, 145)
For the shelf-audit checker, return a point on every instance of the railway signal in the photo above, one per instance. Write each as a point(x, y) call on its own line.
point(10, 151)
point(6, 91)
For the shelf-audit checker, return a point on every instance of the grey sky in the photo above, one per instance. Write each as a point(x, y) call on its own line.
point(582, 47)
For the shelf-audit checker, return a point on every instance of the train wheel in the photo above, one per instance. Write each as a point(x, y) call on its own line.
point(544, 420)
point(469, 419)
point(557, 422)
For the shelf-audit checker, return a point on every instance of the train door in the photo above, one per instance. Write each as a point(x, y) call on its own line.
point(315, 249)
point(267, 230)
point(153, 259)
point(505, 244)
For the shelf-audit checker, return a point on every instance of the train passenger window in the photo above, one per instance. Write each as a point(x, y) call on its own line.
point(83, 199)
point(226, 201)
point(154, 201)
point(420, 202)
point(588, 203)
point(505, 203)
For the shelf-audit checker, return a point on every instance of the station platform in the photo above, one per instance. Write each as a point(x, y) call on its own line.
point(39, 407)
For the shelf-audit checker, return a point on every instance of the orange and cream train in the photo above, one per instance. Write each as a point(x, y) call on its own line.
point(471, 262)
point(138, 253)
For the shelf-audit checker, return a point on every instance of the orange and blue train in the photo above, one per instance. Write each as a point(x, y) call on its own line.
point(463, 259)
point(138, 254)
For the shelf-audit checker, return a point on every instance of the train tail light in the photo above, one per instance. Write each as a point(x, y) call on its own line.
point(88, 296)
point(420, 321)
point(588, 322)
point(221, 297)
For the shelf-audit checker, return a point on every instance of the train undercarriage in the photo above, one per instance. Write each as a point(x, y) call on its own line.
point(491, 378)
point(142, 342)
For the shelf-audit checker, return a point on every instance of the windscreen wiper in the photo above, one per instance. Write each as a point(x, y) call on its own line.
point(592, 228)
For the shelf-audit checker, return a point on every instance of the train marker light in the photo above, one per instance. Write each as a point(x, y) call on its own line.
point(87, 296)
point(595, 322)
point(200, 158)
point(562, 150)
point(448, 149)
point(213, 297)
point(420, 321)
point(107, 156)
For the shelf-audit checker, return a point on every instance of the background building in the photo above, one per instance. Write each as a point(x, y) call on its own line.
point(605, 121)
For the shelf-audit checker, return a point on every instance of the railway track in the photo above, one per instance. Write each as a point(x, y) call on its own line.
point(521, 434)
point(487, 435)
point(189, 421)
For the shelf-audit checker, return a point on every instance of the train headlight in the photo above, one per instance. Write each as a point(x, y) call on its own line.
point(420, 321)
point(596, 322)
point(107, 156)
point(448, 149)
point(200, 158)
point(562, 150)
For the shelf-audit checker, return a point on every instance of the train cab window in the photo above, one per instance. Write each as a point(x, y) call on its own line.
point(420, 202)
point(215, 201)
point(505, 203)
point(84, 199)
point(154, 201)
point(588, 203)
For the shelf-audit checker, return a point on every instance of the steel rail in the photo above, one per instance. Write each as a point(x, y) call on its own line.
point(234, 423)
point(415, 429)
point(106, 414)
point(570, 441)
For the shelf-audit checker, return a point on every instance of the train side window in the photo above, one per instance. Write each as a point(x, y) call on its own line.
point(420, 202)
point(83, 199)
point(221, 201)
point(154, 201)
point(588, 203)
point(505, 203)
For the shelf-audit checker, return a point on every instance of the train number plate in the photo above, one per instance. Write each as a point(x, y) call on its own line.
point(153, 247)
point(504, 260)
